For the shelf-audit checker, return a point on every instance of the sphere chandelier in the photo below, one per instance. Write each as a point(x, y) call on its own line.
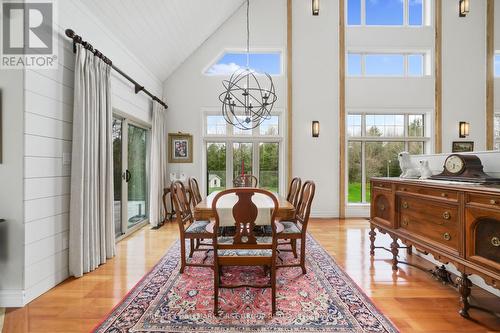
point(246, 101)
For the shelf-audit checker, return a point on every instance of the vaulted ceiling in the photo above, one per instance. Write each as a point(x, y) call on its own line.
point(163, 33)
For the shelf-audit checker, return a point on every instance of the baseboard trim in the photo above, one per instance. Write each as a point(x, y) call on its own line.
point(325, 214)
point(12, 298)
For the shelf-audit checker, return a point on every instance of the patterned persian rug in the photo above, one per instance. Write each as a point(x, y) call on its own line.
point(323, 300)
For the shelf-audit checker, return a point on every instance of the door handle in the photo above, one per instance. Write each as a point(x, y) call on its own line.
point(126, 176)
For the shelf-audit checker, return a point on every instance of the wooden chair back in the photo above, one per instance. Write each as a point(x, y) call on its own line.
point(181, 203)
point(294, 191)
point(303, 209)
point(245, 181)
point(195, 191)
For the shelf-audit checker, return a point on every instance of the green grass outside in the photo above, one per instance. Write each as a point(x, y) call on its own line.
point(354, 193)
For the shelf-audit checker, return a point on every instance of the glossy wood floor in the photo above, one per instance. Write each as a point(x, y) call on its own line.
point(411, 298)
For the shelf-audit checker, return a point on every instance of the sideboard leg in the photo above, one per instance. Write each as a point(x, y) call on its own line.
point(395, 251)
point(464, 285)
point(372, 234)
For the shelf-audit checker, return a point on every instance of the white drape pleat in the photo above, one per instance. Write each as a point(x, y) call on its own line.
point(158, 165)
point(91, 231)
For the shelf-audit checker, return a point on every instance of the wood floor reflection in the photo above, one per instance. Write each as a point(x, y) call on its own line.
point(411, 298)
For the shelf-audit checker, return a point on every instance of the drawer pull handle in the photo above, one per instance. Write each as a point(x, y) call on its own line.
point(446, 236)
point(446, 215)
point(403, 188)
point(444, 195)
point(495, 241)
point(405, 221)
point(493, 202)
point(405, 205)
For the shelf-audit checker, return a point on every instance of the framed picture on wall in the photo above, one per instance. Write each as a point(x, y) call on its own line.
point(462, 146)
point(180, 148)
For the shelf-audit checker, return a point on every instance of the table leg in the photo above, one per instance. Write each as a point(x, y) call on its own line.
point(395, 252)
point(464, 285)
point(372, 234)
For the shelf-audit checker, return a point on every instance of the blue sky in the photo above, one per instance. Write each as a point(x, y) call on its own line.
point(384, 64)
point(261, 62)
point(384, 12)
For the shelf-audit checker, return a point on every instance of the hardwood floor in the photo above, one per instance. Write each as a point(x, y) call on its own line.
point(411, 298)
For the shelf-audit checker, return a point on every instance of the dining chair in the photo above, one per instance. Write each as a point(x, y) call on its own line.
point(293, 191)
point(244, 248)
point(188, 227)
point(297, 228)
point(195, 191)
point(245, 181)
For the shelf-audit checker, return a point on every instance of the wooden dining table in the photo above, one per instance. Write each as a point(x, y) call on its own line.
point(204, 211)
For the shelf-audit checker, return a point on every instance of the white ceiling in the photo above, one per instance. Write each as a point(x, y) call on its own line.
point(163, 33)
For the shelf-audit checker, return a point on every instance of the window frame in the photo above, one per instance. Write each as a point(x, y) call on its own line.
point(364, 139)
point(496, 139)
point(426, 63)
point(255, 138)
point(427, 14)
point(225, 51)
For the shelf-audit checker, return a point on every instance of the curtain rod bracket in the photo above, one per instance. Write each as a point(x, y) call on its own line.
point(138, 88)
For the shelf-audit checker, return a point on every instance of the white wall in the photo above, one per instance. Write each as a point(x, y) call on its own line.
point(11, 194)
point(48, 108)
point(190, 92)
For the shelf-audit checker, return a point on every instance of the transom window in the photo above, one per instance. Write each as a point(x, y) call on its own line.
point(268, 62)
point(388, 64)
point(231, 152)
point(373, 144)
point(414, 13)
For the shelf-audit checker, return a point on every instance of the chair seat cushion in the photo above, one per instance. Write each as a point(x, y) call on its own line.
point(197, 227)
point(290, 227)
point(245, 253)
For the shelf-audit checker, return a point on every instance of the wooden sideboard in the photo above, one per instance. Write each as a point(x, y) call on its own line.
point(456, 223)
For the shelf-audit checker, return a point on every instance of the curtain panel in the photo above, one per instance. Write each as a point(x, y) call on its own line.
point(91, 228)
point(158, 165)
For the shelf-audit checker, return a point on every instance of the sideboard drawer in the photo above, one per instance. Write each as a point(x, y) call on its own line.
point(382, 209)
point(430, 220)
point(380, 185)
point(492, 201)
point(432, 192)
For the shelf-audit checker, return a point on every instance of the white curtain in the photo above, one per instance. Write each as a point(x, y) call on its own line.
point(91, 233)
point(158, 165)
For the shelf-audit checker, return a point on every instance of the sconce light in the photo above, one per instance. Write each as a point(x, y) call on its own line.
point(315, 7)
point(315, 128)
point(463, 8)
point(463, 129)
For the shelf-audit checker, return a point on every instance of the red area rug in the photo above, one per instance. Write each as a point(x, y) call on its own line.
point(323, 300)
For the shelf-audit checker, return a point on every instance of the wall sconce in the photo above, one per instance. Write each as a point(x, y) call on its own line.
point(463, 129)
point(315, 7)
point(315, 128)
point(464, 6)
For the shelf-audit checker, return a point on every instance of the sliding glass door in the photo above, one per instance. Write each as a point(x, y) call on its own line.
point(130, 151)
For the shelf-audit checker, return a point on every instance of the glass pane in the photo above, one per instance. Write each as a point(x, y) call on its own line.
point(354, 125)
point(353, 64)
point(354, 173)
point(387, 12)
point(242, 159)
point(384, 64)
point(137, 184)
point(416, 148)
point(497, 65)
point(270, 126)
point(381, 160)
point(353, 12)
point(497, 126)
point(117, 175)
point(389, 125)
point(269, 166)
point(416, 11)
point(497, 146)
point(269, 62)
point(416, 65)
point(216, 167)
point(237, 131)
point(416, 125)
point(216, 125)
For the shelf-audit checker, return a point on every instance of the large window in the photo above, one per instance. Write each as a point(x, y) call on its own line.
point(388, 64)
point(231, 152)
point(413, 13)
point(374, 142)
point(268, 62)
point(497, 131)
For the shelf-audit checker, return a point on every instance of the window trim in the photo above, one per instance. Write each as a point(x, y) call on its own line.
point(262, 50)
point(426, 63)
point(426, 139)
point(427, 16)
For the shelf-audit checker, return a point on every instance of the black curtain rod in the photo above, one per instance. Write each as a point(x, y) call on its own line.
point(78, 40)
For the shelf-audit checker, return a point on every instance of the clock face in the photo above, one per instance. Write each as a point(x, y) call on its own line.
point(454, 164)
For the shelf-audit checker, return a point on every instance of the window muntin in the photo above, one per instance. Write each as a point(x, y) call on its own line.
point(387, 64)
point(261, 62)
point(373, 143)
point(394, 13)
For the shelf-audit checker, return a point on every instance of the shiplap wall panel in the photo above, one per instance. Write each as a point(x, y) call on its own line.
point(45, 248)
point(47, 106)
point(44, 268)
point(38, 188)
point(35, 167)
point(47, 127)
point(45, 207)
point(39, 146)
point(43, 228)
